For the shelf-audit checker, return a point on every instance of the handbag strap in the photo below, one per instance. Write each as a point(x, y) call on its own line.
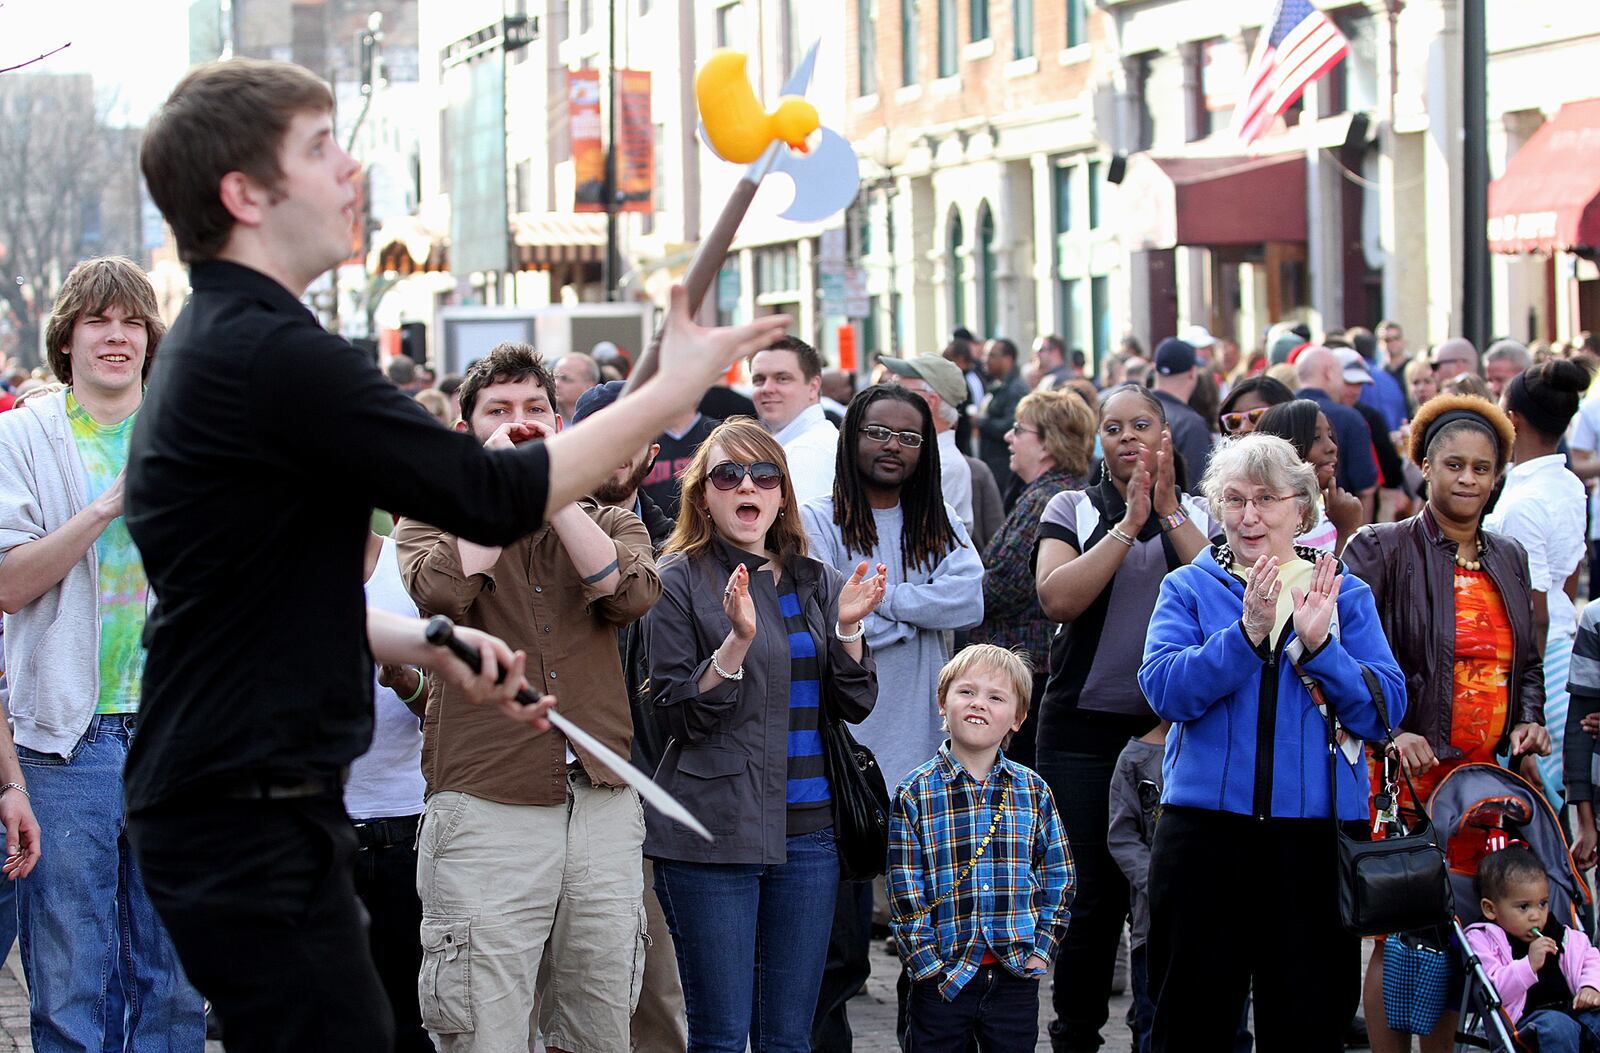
point(1375, 689)
point(994, 824)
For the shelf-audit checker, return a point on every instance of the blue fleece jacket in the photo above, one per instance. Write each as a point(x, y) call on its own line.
point(1246, 736)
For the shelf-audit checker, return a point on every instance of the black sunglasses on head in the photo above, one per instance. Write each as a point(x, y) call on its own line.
point(729, 474)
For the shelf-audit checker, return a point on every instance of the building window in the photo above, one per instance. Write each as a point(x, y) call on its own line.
point(644, 8)
point(778, 271)
point(988, 302)
point(1021, 28)
point(1077, 22)
point(1100, 315)
point(585, 15)
point(947, 38)
point(729, 25)
point(1063, 189)
point(1067, 311)
point(1094, 195)
point(980, 19)
point(953, 275)
point(866, 47)
point(908, 41)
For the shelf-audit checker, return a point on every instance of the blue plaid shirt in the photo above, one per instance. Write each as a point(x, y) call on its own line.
point(1015, 900)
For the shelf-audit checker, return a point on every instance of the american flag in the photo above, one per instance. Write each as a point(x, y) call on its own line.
point(1296, 47)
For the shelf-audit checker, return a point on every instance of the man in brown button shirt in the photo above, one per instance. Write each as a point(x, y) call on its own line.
point(526, 840)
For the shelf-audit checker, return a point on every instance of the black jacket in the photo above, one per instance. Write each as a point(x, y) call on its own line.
point(1410, 566)
point(649, 741)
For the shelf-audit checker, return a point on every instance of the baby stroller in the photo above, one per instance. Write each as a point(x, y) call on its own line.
point(1478, 809)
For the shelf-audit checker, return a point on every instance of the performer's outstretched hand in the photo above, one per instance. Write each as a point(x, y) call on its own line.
point(693, 356)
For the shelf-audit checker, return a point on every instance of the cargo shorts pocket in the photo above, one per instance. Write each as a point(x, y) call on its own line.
point(444, 985)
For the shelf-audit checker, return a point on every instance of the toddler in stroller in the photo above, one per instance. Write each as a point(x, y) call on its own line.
point(1548, 975)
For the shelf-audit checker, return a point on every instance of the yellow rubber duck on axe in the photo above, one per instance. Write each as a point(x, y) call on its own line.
point(736, 126)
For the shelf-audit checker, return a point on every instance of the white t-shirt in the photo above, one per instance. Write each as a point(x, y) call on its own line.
point(955, 477)
point(1542, 506)
point(387, 780)
point(1586, 437)
point(810, 443)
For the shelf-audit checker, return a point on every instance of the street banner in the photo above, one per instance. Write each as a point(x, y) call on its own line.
point(636, 141)
point(588, 150)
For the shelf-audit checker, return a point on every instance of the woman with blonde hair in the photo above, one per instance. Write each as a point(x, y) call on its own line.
point(753, 646)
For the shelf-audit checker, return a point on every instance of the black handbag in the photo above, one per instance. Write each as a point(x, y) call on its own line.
point(1396, 884)
point(860, 802)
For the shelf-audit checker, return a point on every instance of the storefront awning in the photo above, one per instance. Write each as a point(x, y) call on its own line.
point(406, 246)
point(547, 239)
point(1212, 201)
point(1548, 199)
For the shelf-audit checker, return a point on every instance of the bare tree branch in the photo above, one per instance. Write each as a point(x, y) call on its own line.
point(36, 58)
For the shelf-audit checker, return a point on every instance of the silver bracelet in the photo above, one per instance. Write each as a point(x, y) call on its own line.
point(716, 667)
point(838, 633)
point(1117, 533)
point(15, 786)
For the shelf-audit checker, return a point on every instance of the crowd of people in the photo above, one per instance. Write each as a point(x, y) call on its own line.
point(1098, 635)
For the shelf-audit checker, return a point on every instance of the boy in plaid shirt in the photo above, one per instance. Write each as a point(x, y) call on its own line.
point(980, 876)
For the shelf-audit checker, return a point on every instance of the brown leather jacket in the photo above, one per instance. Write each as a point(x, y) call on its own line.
point(1410, 567)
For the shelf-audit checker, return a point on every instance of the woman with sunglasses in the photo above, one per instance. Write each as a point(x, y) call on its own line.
point(1308, 430)
point(749, 638)
point(1103, 553)
point(1247, 401)
point(1476, 690)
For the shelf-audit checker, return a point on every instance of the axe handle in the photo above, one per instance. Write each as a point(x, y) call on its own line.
point(703, 269)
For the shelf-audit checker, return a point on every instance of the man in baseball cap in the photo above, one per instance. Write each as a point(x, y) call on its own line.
point(1175, 380)
point(942, 386)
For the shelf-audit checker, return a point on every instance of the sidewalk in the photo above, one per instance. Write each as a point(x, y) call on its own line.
point(871, 1013)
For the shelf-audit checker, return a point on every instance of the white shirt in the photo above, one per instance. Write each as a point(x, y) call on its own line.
point(810, 443)
point(387, 780)
point(1542, 506)
point(1586, 437)
point(955, 476)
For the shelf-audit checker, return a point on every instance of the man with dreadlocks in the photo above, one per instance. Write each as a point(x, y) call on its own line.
point(888, 507)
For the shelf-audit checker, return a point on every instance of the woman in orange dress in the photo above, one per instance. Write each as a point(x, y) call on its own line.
point(1457, 607)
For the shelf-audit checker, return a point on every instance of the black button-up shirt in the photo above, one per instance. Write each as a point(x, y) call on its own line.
point(263, 444)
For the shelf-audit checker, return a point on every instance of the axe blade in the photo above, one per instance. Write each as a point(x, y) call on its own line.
point(825, 180)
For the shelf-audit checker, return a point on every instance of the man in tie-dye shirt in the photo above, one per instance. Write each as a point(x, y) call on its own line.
point(74, 586)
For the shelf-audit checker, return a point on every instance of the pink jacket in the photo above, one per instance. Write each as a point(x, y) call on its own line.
point(1580, 963)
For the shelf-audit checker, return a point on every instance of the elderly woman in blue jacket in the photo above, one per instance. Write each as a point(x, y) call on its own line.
point(1243, 879)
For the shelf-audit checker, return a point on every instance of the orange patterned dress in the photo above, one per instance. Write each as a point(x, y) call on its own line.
point(1481, 702)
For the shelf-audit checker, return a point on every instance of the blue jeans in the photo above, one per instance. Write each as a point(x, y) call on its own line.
point(1556, 1031)
point(997, 1008)
point(751, 943)
point(84, 919)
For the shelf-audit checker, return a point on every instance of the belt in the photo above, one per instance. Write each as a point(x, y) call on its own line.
point(281, 787)
point(387, 833)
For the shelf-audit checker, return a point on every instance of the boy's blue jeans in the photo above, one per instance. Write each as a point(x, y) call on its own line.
point(996, 1007)
point(83, 916)
point(1555, 1031)
point(751, 942)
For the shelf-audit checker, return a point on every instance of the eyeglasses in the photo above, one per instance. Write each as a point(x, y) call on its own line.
point(1234, 503)
point(1022, 430)
point(729, 474)
point(881, 435)
point(1232, 422)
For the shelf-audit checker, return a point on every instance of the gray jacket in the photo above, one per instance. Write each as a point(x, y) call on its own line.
point(52, 646)
point(1133, 825)
point(728, 757)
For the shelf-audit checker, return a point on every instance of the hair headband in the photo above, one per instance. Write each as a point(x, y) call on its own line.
point(1444, 420)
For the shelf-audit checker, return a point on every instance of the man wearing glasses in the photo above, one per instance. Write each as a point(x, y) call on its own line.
point(1453, 358)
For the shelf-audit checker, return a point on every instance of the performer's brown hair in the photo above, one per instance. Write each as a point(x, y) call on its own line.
point(222, 117)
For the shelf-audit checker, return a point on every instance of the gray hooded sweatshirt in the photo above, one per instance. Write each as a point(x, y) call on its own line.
point(52, 646)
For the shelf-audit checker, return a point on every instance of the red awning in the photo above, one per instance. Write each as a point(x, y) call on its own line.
point(1173, 201)
point(1547, 199)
